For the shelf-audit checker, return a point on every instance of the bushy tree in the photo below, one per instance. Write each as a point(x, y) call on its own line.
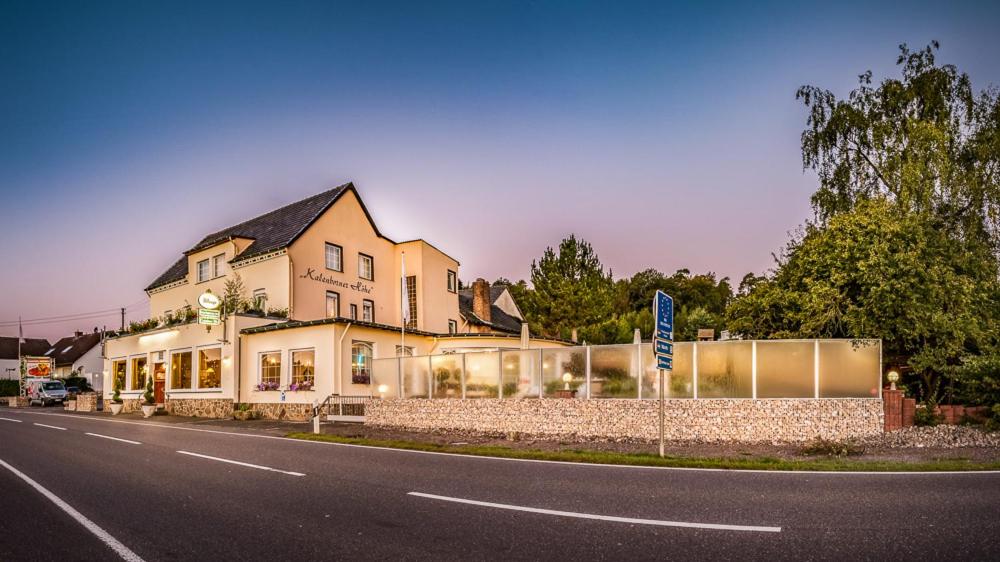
point(570, 289)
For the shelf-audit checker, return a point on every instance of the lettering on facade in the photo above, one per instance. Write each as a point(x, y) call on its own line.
point(312, 274)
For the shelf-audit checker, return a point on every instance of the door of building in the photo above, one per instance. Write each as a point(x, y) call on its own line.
point(159, 381)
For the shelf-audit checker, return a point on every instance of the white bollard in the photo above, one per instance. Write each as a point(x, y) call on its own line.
point(316, 417)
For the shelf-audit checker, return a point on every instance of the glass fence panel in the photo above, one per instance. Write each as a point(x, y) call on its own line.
point(482, 374)
point(564, 369)
point(522, 373)
point(785, 369)
point(416, 377)
point(680, 381)
point(614, 371)
point(725, 369)
point(849, 370)
point(446, 371)
point(385, 382)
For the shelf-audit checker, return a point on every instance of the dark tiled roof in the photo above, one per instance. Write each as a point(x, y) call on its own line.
point(69, 349)
point(31, 346)
point(499, 320)
point(271, 231)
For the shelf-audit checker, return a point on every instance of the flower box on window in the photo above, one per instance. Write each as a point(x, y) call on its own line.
point(267, 386)
point(304, 385)
point(362, 378)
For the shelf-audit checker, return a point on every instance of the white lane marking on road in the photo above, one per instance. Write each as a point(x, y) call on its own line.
point(242, 463)
point(10, 419)
point(575, 515)
point(570, 463)
point(105, 537)
point(51, 426)
point(113, 438)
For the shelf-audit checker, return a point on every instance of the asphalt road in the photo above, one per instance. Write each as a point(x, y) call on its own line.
point(307, 501)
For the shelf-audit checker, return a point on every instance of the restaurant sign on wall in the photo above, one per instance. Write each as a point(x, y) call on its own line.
point(320, 277)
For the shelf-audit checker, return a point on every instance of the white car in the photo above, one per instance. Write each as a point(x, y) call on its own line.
point(46, 392)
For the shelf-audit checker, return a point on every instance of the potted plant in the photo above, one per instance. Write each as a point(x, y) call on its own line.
point(116, 398)
point(148, 398)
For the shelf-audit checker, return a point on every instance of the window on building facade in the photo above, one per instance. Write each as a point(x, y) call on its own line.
point(118, 371)
point(260, 299)
point(411, 297)
point(452, 327)
point(354, 312)
point(361, 362)
point(304, 369)
point(219, 265)
point(138, 378)
point(332, 304)
point(210, 368)
point(203, 271)
point(334, 257)
point(270, 370)
point(367, 311)
point(404, 351)
point(452, 281)
point(180, 370)
point(366, 267)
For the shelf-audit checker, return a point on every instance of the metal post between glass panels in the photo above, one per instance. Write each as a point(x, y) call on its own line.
point(541, 369)
point(500, 374)
point(753, 369)
point(430, 378)
point(638, 380)
point(465, 374)
point(816, 369)
point(694, 370)
point(399, 378)
point(587, 372)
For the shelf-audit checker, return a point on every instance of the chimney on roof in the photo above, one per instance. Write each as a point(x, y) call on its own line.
point(77, 334)
point(481, 305)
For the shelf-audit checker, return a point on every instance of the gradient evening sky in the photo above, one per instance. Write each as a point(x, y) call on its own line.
point(666, 135)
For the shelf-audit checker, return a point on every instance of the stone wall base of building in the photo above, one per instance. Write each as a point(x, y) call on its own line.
point(708, 420)
point(128, 405)
point(281, 411)
point(200, 407)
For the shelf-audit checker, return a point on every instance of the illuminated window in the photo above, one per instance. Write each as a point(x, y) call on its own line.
point(367, 311)
point(452, 281)
point(210, 368)
point(270, 370)
point(180, 370)
point(332, 304)
point(361, 362)
point(304, 368)
point(366, 267)
point(203, 271)
point(118, 372)
point(138, 378)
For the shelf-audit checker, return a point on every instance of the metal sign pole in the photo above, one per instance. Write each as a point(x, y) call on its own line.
point(661, 412)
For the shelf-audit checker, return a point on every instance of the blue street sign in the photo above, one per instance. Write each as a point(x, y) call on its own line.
point(663, 362)
point(663, 347)
point(663, 312)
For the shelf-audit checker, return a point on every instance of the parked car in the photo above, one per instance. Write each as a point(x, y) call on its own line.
point(72, 392)
point(45, 392)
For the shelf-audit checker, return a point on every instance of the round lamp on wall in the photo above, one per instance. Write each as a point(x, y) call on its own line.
point(893, 377)
point(566, 379)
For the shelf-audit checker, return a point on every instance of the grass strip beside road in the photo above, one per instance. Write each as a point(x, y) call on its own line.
point(836, 464)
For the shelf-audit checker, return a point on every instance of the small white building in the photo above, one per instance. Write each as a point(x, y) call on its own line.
point(79, 355)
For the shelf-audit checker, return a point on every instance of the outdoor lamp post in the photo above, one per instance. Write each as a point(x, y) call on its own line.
point(382, 389)
point(892, 376)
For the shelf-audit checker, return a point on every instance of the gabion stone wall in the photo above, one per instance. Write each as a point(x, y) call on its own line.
point(708, 420)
